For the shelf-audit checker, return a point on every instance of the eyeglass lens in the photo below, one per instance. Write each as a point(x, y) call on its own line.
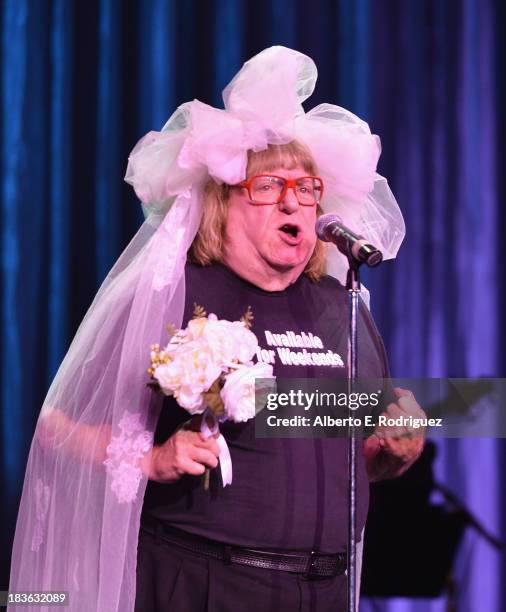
point(268, 189)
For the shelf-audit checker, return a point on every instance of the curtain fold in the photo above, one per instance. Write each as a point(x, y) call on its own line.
point(60, 194)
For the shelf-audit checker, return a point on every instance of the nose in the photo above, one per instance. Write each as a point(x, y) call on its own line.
point(289, 203)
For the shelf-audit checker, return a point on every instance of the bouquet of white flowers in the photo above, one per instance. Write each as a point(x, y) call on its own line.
point(208, 368)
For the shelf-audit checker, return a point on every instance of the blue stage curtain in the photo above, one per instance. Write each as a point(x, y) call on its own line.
point(83, 81)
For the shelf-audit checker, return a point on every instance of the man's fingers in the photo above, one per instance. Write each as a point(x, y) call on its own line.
point(400, 392)
point(393, 412)
point(195, 461)
point(188, 466)
point(209, 444)
point(408, 403)
point(197, 438)
point(406, 448)
point(411, 407)
point(202, 455)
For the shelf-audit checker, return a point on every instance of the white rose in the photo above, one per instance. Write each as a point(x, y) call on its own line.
point(192, 371)
point(201, 368)
point(168, 376)
point(190, 399)
point(238, 394)
point(230, 341)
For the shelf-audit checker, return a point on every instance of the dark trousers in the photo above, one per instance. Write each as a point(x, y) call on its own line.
point(171, 579)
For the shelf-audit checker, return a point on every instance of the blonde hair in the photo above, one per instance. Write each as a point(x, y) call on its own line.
point(208, 246)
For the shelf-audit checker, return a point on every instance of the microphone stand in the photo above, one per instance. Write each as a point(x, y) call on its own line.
point(353, 287)
point(329, 228)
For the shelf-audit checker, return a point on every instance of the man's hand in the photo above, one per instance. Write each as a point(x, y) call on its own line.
point(185, 452)
point(391, 450)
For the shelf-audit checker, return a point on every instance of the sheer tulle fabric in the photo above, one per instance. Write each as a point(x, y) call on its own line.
point(78, 521)
point(82, 497)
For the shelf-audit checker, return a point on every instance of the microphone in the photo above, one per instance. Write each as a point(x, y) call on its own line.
point(330, 228)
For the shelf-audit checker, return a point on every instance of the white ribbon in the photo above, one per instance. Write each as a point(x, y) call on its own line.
point(209, 427)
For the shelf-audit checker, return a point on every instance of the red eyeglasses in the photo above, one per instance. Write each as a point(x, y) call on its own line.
point(271, 189)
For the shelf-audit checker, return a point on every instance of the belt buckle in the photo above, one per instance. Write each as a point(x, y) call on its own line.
point(310, 565)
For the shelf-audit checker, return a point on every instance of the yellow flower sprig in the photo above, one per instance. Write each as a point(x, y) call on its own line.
point(198, 311)
point(158, 356)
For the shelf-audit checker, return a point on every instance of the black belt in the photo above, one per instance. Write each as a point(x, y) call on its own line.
point(309, 564)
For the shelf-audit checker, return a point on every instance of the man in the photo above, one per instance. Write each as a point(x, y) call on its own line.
point(252, 244)
point(287, 496)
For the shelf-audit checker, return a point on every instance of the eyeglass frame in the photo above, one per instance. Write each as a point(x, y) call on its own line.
point(289, 184)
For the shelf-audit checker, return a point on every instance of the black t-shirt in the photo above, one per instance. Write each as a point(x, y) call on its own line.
point(286, 493)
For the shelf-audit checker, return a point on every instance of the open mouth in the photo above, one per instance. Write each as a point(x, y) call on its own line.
point(291, 230)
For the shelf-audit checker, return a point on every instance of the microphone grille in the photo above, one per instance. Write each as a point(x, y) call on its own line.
point(323, 222)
